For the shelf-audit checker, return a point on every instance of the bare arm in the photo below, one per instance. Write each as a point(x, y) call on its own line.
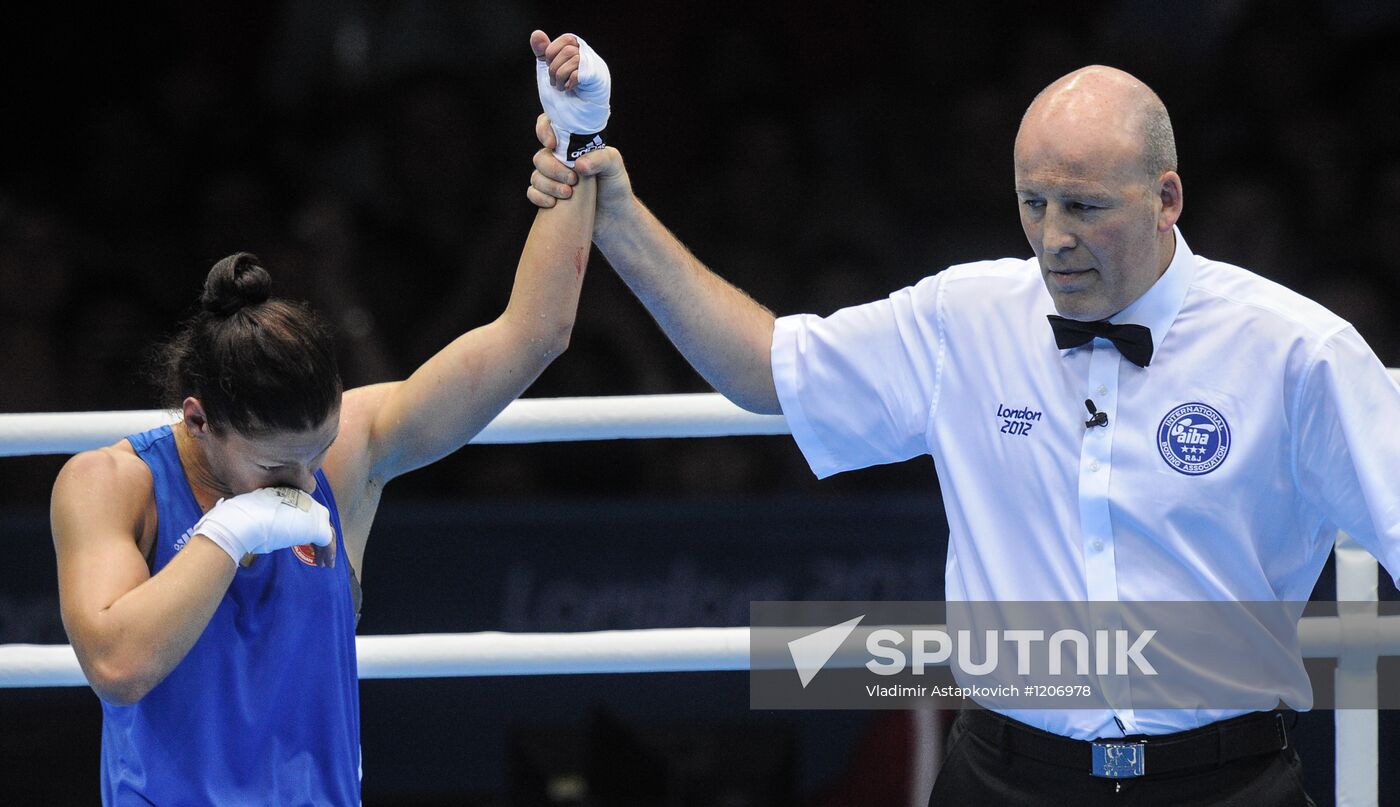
point(128, 628)
point(725, 334)
point(462, 388)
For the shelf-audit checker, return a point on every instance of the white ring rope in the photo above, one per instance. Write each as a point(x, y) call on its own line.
point(528, 420)
point(449, 655)
point(446, 655)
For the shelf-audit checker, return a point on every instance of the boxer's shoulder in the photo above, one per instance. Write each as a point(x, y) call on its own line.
point(116, 465)
point(111, 481)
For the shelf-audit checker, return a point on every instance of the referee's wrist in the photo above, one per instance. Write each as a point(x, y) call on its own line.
point(617, 220)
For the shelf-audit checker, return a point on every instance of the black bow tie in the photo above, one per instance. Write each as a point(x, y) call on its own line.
point(1133, 341)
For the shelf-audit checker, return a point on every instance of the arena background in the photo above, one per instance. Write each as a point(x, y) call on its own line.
point(375, 155)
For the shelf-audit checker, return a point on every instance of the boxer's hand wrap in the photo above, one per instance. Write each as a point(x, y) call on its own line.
point(264, 520)
point(579, 116)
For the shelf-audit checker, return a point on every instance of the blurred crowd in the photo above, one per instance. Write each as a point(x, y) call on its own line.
point(375, 155)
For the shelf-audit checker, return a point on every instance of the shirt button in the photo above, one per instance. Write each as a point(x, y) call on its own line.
point(1102, 390)
point(1094, 466)
point(1098, 546)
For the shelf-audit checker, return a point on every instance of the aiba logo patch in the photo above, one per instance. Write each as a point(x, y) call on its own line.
point(1194, 438)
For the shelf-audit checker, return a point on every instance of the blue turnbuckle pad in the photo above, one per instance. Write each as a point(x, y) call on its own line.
point(1119, 760)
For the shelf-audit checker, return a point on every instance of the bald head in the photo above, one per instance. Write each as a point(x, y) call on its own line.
point(1098, 190)
point(1099, 104)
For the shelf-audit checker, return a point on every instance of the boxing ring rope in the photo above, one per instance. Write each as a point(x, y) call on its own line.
point(470, 655)
point(529, 420)
point(1357, 637)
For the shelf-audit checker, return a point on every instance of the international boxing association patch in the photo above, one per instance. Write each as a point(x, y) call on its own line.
point(1194, 438)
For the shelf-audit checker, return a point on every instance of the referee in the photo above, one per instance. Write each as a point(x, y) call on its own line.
point(1191, 431)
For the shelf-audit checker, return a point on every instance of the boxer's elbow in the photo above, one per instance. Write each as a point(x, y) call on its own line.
point(120, 696)
point(117, 689)
point(549, 338)
point(555, 339)
point(541, 336)
point(120, 681)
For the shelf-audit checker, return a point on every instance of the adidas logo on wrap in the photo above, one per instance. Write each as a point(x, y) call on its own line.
point(581, 144)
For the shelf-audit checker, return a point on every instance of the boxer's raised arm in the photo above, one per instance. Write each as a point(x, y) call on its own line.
point(457, 392)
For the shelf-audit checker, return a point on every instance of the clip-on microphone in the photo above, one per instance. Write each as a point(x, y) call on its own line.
point(1096, 418)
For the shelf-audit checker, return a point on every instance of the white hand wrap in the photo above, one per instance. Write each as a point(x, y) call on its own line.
point(264, 520)
point(580, 115)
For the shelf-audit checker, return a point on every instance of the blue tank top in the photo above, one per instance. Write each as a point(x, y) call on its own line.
point(265, 707)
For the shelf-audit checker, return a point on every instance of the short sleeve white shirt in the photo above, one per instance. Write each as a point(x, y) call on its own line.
point(1262, 425)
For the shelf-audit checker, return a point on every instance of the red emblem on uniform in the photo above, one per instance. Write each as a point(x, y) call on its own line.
point(306, 553)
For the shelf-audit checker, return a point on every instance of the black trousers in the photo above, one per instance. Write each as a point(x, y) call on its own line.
point(978, 772)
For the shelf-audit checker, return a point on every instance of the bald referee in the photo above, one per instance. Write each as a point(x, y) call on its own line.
point(1182, 429)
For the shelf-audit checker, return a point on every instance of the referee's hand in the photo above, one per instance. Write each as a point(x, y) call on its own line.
point(553, 180)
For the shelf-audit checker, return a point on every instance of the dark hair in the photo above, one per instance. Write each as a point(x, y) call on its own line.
point(256, 362)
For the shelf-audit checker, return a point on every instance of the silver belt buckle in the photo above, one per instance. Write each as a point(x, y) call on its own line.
point(1114, 760)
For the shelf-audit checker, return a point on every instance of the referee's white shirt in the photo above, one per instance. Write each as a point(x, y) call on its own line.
point(1049, 509)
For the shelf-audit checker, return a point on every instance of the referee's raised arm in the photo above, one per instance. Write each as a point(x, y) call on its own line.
point(724, 333)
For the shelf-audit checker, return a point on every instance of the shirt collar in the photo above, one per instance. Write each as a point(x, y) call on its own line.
point(1157, 309)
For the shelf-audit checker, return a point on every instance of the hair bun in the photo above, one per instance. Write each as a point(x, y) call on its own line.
point(234, 282)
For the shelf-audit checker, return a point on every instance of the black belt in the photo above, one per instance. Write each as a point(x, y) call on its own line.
point(1139, 755)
